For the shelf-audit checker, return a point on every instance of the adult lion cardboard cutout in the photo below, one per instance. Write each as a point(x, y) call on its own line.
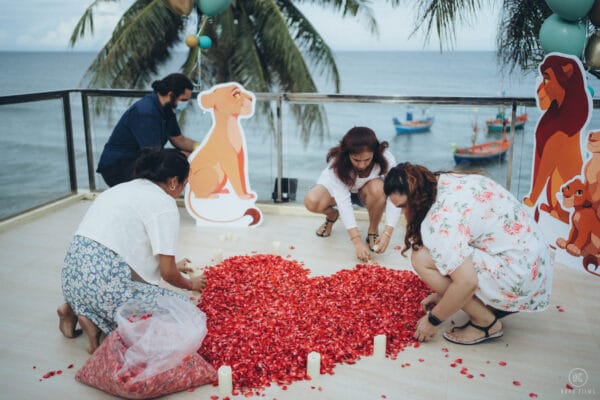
point(561, 194)
point(218, 190)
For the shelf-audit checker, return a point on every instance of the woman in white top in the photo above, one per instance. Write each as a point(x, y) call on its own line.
point(124, 245)
point(476, 247)
point(354, 175)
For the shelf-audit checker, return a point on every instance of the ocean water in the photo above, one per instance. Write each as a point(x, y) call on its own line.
point(32, 144)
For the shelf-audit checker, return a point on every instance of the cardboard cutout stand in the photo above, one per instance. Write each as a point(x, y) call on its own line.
point(565, 187)
point(218, 191)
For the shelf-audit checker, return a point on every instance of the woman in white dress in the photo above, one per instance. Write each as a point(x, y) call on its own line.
point(476, 247)
point(354, 175)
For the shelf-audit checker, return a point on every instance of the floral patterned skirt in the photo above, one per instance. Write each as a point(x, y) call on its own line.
point(96, 281)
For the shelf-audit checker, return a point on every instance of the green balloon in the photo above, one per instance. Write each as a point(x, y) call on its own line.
point(559, 35)
point(571, 10)
point(211, 8)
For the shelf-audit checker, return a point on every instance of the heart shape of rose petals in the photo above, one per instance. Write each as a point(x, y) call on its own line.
point(265, 314)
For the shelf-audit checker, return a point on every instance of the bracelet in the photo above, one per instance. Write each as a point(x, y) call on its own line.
point(387, 234)
point(433, 320)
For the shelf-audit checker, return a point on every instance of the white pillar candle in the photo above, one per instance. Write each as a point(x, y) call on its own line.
point(218, 255)
point(313, 364)
point(276, 244)
point(225, 383)
point(379, 346)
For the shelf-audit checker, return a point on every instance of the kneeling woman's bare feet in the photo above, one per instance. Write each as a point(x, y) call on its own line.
point(92, 332)
point(67, 320)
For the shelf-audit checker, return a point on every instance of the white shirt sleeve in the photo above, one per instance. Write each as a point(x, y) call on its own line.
point(341, 194)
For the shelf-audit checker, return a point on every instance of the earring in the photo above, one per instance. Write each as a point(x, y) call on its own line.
point(172, 188)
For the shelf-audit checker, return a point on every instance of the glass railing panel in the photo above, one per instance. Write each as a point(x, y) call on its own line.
point(33, 155)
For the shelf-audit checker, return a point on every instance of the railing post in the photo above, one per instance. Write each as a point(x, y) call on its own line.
point(89, 146)
point(279, 141)
point(69, 138)
point(513, 121)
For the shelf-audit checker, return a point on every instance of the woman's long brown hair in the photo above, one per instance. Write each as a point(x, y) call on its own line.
point(356, 140)
point(419, 184)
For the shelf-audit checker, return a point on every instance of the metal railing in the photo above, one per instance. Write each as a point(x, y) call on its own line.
point(279, 100)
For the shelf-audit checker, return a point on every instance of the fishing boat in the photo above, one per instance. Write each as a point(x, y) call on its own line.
point(411, 125)
point(498, 124)
point(494, 150)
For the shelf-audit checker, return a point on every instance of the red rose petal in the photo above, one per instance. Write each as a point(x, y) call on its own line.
point(502, 363)
point(482, 375)
point(516, 383)
point(470, 376)
point(458, 361)
point(250, 300)
point(421, 359)
point(568, 386)
point(70, 366)
point(533, 395)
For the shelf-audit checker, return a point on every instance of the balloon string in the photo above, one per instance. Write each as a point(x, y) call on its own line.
point(198, 67)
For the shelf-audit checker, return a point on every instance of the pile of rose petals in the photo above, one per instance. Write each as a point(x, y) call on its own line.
point(264, 315)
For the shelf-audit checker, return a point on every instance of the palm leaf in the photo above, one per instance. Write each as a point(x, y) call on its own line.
point(443, 15)
point(82, 24)
point(518, 43)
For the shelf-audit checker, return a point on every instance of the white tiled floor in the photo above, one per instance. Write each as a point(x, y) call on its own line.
point(540, 349)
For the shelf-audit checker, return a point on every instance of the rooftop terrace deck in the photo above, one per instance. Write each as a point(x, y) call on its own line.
point(543, 351)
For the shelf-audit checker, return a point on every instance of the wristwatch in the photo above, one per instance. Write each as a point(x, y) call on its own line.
point(433, 320)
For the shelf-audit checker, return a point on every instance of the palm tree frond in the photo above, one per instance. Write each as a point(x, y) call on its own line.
point(443, 15)
point(518, 31)
point(87, 18)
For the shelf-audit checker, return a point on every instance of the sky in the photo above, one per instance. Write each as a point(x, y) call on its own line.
point(46, 25)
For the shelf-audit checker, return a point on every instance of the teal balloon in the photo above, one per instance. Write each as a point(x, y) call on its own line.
point(213, 7)
point(205, 42)
point(591, 90)
point(557, 34)
point(571, 10)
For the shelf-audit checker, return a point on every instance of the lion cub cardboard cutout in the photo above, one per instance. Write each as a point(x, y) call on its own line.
point(218, 191)
point(561, 194)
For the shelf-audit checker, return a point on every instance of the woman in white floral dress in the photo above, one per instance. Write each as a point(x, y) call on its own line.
point(476, 247)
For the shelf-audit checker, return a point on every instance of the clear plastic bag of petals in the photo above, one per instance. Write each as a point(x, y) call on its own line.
point(158, 337)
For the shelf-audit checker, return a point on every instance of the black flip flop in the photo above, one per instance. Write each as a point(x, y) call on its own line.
point(484, 329)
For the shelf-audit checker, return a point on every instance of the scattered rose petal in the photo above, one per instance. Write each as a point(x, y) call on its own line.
point(568, 386)
point(502, 363)
point(458, 361)
point(482, 375)
point(421, 359)
point(453, 365)
point(383, 396)
point(533, 395)
point(250, 301)
point(516, 383)
point(70, 366)
point(470, 376)
point(214, 397)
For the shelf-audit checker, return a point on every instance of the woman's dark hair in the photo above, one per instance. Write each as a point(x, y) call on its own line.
point(158, 165)
point(176, 83)
point(356, 140)
point(419, 185)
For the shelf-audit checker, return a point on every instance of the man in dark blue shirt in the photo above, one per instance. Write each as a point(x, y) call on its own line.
point(149, 122)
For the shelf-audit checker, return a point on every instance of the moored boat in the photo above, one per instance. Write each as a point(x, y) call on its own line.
point(414, 126)
point(497, 124)
point(483, 152)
